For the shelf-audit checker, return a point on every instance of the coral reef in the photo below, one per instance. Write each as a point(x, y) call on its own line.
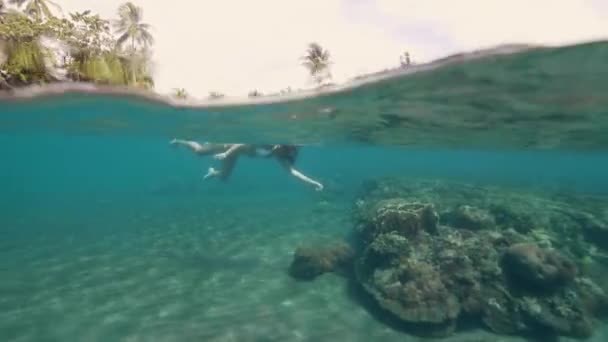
point(310, 262)
point(536, 268)
point(470, 217)
point(438, 252)
point(432, 253)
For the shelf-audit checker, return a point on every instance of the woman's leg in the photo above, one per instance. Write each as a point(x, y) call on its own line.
point(202, 149)
point(228, 163)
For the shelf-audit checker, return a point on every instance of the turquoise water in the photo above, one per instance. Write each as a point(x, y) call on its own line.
point(110, 234)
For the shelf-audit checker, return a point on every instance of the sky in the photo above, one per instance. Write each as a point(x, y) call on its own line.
point(234, 46)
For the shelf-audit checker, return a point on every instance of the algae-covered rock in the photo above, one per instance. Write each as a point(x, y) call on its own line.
point(471, 217)
point(557, 315)
point(592, 297)
point(534, 267)
point(513, 217)
point(594, 229)
point(498, 312)
point(310, 262)
point(509, 259)
point(399, 216)
point(413, 292)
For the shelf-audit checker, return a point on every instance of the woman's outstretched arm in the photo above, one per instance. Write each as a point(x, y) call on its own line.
point(299, 175)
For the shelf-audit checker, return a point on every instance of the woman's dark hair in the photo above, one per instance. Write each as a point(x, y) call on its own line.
point(288, 153)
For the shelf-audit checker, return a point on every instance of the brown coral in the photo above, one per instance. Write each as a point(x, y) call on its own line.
point(430, 274)
point(402, 217)
point(415, 293)
point(535, 268)
point(310, 262)
point(470, 217)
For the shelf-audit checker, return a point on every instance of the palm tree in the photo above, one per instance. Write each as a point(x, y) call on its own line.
point(37, 8)
point(317, 62)
point(405, 60)
point(130, 27)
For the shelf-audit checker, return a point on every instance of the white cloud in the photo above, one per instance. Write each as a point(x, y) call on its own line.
point(235, 46)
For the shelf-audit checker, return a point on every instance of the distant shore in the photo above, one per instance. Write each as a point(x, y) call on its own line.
point(37, 91)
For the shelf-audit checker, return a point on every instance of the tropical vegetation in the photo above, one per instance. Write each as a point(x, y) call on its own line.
point(37, 46)
point(255, 93)
point(214, 95)
point(180, 93)
point(405, 60)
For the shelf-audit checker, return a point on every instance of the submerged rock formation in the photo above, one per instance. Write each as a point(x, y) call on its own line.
point(311, 262)
point(534, 267)
point(430, 253)
point(432, 274)
point(470, 217)
point(437, 253)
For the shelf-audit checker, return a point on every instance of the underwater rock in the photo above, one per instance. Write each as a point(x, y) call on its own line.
point(593, 298)
point(537, 268)
point(413, 292)
point(506, 216)
point(499, 313)
point(390, 245)
point(492, 259)
point(310, 262)
point(470, 217)
point(399, 216)
point(555, 316)
point(593, 228)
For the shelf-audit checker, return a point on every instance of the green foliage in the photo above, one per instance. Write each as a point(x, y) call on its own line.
point(90, 51)
point(255, 93)
point(37, 9)
point(24, 56)
point(25, 62)
point(405, 60)
point(180, 93)
point(2, 8)
point(16, 26)
point(93, 57)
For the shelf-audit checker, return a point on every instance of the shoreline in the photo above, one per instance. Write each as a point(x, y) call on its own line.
point(37, 91)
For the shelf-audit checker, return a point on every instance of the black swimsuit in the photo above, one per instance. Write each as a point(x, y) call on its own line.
point(289, 153)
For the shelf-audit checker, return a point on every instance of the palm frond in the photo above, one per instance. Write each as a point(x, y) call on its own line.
point(19, 3)
point(122, 39)
point(44, 8)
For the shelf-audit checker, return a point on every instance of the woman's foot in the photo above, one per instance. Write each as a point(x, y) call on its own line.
point(211, 173)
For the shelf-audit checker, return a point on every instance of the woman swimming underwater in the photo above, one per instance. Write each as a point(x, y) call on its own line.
point(286, 155)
